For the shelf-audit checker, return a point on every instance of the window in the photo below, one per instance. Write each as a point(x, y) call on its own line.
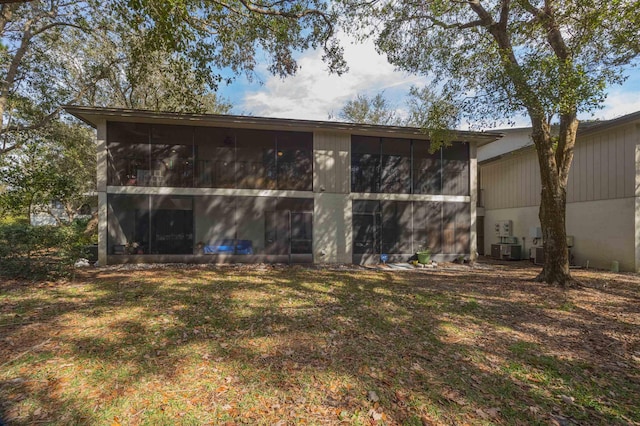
point(395, 169)
point(381, 227)
point(254, 225)
point(215, 150)
point(128, 224)
point(427, 169)
point(396, 227)
point(255, 159)
point(367, 227)
point(404, 227)
point(456, 228)
point(187, 156)
point(171, 220)
point(295, 161)
point(128, 153)
point(365, 164)
point(455, 169)
point(404, 166)
point(171, 156)
point(427, 226)
point(143, 224)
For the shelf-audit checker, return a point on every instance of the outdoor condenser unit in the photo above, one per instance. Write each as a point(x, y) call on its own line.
point(538, 255)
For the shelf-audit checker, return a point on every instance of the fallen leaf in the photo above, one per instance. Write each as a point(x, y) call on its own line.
point(426, 421)
point(373, 396)
point(493, 412)
point(375, 415)
point(482, 414)
point(567, 399)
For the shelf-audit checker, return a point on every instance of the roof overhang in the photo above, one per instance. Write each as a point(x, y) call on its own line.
point(585, 129)
point(94, 115)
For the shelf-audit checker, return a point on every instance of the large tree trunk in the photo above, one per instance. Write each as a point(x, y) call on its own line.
point(554, 157)
point(554, 235)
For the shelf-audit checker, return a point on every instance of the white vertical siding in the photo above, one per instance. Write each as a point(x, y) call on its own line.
point(603, 168)
point(511, 181)
point(597, 168)
point(332, 162)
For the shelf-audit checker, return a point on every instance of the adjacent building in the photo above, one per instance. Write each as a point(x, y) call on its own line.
point(603, 193)
point(217, 188)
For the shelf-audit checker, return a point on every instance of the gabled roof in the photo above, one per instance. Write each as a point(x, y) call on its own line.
point(588, 127)
point(93, 115)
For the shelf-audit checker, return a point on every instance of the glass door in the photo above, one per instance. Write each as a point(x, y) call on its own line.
point(289, 233)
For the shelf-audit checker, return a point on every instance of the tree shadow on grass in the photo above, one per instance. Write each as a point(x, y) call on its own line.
point(198, 345)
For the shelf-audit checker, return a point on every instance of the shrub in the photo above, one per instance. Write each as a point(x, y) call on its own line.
point(37, 252)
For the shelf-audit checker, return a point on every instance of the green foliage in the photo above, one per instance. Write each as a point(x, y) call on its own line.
point(548, 60)
point(505, 58)
point(369, 110)
point(36, 252)
point(235, 34)
point(425, 109)
point(57, 163)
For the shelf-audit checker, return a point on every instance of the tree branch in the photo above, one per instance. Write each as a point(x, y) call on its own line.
point(504, 14)
point(553, 33)
point(59, 24)
point(512, 66)
point(44, 120)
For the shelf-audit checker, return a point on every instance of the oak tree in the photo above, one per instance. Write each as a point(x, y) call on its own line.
point(547, 59)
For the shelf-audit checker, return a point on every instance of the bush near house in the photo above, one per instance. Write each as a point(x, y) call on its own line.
point(38, 252)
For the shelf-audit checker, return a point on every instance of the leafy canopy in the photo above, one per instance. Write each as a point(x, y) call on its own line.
point(423, 108)
point(55, 163)
point(531, 69)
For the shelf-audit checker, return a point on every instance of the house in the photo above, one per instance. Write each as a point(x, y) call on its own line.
point(55, 212)
point(603, 194)
point(221, 188)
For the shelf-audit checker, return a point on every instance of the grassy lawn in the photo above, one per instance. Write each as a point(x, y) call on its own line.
point(291, 345)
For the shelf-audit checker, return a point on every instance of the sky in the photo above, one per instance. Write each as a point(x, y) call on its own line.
point(313, 93)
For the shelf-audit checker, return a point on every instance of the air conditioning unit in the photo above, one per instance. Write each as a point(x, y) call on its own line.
point(538, 257)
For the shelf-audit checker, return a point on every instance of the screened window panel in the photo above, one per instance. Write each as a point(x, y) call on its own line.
point(252, 225)
point(396, 227)
point(276, 232)
point(367, 227)
point(301, 232)
point(427, 169)
point(215, 223)
point(215, 157)
point(395, 167)
point(455, 169)
point(366, 206)
point(172, 161)
point(128, 227)
point(427, 226)
point(255, 159)
point(456, 228)
point(365, 164)
point(128, 153)
point(172, 225)
point(295, 161)
point(289, 225)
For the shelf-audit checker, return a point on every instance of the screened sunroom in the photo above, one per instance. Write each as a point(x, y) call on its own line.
point(219, 188)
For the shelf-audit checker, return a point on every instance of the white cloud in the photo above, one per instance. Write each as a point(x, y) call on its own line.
point(619, 103)
point(313, 93)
